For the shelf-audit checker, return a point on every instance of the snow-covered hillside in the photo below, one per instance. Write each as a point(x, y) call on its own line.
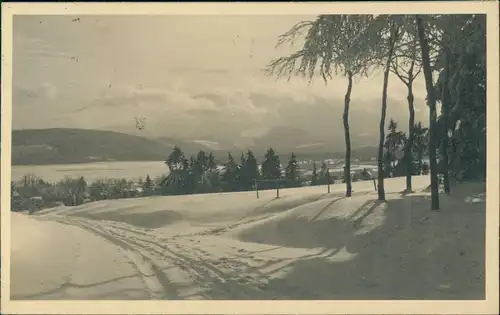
point(305, 245)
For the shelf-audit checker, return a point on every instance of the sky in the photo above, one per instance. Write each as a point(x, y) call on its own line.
point(183, 76)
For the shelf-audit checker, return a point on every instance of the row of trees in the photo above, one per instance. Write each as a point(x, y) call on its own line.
point(203, 174)
point(450, 47)
point(200, 174)
point(77, 191)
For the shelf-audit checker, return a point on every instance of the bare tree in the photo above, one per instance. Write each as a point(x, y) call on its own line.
point(406, 65)
point(431, 101)
point(333, 44)
point(386, 31)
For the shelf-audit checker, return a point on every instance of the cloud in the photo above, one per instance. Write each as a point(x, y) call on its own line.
point(234, 114)
point(44, 92)
point(194, 82)
point(26, 46)
point(49, 91)
point(228, 114)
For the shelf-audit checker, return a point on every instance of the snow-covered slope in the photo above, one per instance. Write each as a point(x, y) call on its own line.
point(305, 245)
point(50, 260)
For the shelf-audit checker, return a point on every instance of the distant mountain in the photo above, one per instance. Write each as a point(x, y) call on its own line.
point(286, 140)
point(192, 147)
point(67, 146)
point(283, 138)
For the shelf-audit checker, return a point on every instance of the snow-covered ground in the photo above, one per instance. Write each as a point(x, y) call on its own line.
point(50, 260)
point(305, 245)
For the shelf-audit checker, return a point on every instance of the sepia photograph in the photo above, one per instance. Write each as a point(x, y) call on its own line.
point(310, 155)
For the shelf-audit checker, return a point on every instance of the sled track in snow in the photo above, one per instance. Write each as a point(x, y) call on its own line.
point(172, 270)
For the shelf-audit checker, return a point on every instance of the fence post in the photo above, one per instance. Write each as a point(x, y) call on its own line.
point(277, 189)
point(256, 187)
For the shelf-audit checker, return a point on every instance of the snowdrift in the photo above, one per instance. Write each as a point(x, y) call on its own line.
point(305, 245)
point(393, 250)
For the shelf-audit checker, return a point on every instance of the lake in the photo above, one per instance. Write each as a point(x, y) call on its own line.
point(92, 171)
point(128, 170)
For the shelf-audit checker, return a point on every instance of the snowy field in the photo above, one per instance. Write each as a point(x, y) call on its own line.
point(305, 245)
point(92, 171)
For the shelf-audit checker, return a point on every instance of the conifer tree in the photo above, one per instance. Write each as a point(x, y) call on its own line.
point(314, 179)
point(230, 175)
point(175, 181)
point(324, 174)
point(292, 172)
point(148, 186)
point(271, 167)
point(251, 170)
point(201, 163)
point(241, 175)
point(174, 160)
point(211, 162)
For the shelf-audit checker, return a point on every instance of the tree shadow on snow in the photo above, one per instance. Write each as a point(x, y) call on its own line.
point(413, 254)
point(58, 293)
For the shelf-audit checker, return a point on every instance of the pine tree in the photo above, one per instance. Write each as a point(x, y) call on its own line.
point(185, 164)
point(211, 162)
point(230, 176)
point(394, 141)
point(314, 179)
point(192, 162)
point(292, 172)
point(191, 176)
point(251, 170)
point(81, 190)
point(148, 186)
point(271, 168)
point(81, 185)
point(241, 175)
point(197, 172)
point(324, 174)
point(174, 160)
point(211, 176)
point(419, 145)
point(175, 181)
point(201, 163)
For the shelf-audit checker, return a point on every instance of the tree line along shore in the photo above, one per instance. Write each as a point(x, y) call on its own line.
point(204, 174)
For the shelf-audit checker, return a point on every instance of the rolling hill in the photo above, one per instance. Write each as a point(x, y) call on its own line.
point(69, 146)
point(66, 146)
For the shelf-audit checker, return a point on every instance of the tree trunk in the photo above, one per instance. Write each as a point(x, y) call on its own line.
point(393, 167)
point(380, 175)
point(409, 143)
point(431, 101)
point(347, 168)
point(420, 161)
point(454, 157)
point(445, 100)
